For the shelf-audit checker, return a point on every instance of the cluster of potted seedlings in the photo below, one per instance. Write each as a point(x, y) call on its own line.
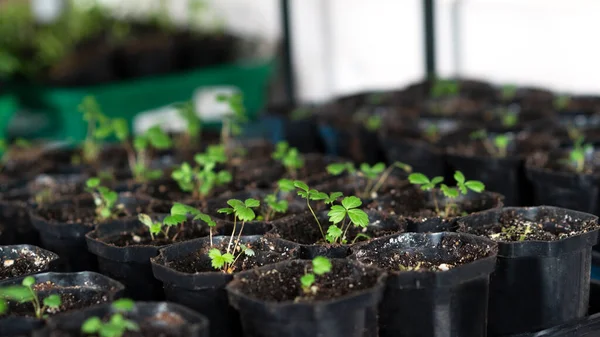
point(248, 238)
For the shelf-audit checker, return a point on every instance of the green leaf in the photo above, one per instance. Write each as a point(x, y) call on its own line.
point(181, 209)
point(280, 206)
point(145, 219)
point(449, 192)
point(351, 202)
point(174, 220)
point(316, 195)
point(155, 228)
point(307, 280)
point(52, 301)
point(226, 211)
point(93, 182)
point(158, 138)
point(437, 180)
point(224, 177)
point(336, 214)
point(378, 168)
point(418, 179)
point(459, 177)
point(28, 281)
point(358, 217)
point(301, 185)
point(218, 260)
point(110, 198)
point(333, 197)
point(92, 325)
point(123, 304)
point(333, 233)
point(321, 265)
point(252, 203)
point(120, 128)
point(140, 143)
point(245, 214)
point(16, 293)
point(105, 213)
point(249, 252)
point(235, 203)
point(476, 186)
point(3, 307)
point(286, 185)
point(206, 218)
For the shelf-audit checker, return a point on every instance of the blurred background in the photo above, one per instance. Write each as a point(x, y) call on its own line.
point(138, 56)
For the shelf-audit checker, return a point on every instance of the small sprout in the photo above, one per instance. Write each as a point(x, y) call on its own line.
point(193, 133)
point(203, 178)
point(578, 154)
point(311, 195)
point(99, 128)
point(25, 293)
point(510, 119)
point(375, 175)
point(289, 157)
point(104, 198)
point(373, 123)
point(320, 266)
point(348, 210)
point(497, 146)
point(177, 218)
point(465, 185)
point(561, 102)
point(155, 138)
point(233, 120)
point(509, 91)
point(444, 88)
point(243, 212)
point(117, 324)
point(432, 133)
point(501, 143)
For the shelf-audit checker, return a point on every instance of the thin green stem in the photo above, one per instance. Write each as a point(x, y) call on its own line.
point(383, 178)
point(36, 303)
point(317, 219)
point(345, 231)
point(232, 233)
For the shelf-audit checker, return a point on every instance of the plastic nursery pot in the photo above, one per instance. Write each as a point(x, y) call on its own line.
point(356, 143)
point(542, 272)
point(303, 230)
point(19, 326)
point(23, 260)
point(420, 155)
point(270, 301)
point(418, 208)
point(124, 249)
point(77, 291)
point(437, 283)
point(153, 318)
point(63, 225)
point(190, 280)
point(561, 186)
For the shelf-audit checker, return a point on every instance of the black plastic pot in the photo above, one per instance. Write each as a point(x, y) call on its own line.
point(131, 264)
point(538, 284)
point(16, 215)
point(355, 143)
point(420, 155)
point(204, 292)
point(303, 230)
point(19, 326)
point(450, 303)
point(40, 259)
point(350, 315)
point(167, 318)
point(68, 239)
point(87, 287)
point(579, 192)
point(147, 55)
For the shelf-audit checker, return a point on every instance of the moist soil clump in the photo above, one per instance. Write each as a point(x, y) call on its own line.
point(265, 252)
point(27, 263)
point(283, 284)
point(512, 227)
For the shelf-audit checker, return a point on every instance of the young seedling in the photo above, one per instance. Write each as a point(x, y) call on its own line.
point(193, 133)
point(105, 199)
point(432, 133)
point(289, 157)
point(203, 178)
point(25, 293)
point(313, 195)
point(426, 185)
point(509, 91)
point(497, 146)
point(375, 175)
point(242, 212)
point(578, 154)
point(509, 118)
point(275, 205)
point(320, 266)
point(346, 214)
point(373, 123)
point(177, 218)
point(155, 138)
point(116, 326)
point(99, 128)
point(233, 120)
point(562, 102)
point(444, 88)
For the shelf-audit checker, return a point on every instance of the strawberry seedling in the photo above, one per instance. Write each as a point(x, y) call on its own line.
point(177, 218)
point(116, 326)
point(578, 154)
point(289, 157)
point(375, 175)
point(105, 199)
point(320, 266)
point(25, 293)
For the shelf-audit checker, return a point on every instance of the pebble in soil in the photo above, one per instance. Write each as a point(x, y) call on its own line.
point(28, 262)
point(283, 284)
point(265, 252)
point(400, 254)
point(513, 227)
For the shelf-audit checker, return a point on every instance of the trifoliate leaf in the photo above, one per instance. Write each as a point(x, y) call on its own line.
point(52, 301)
point(358, 217)
point(218, 260)
point(336, 214)
point(351, 202)
point(245, 213)
point(321, 265)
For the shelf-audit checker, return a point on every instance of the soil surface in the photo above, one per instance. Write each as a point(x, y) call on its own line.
point(73, 298)
point(513, 227)
point(265, 252)
point(558, 161)
point(169, 190)
point(449, 253)
point(283, 284)
point(522, 144)
point(27, 263)
point(187, 231)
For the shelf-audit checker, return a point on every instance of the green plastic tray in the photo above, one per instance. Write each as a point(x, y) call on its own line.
point(127, 99)
point(8, 107)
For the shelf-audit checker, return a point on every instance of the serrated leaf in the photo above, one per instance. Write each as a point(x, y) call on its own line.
point(336, 214)
point(476, 186)
point(321, 265)
point(245, 214)
point(206, 218)
point(358, 217)
point(351, 202)
point(235, 203)
point(18, 293)
point(249, 252)
point(252, 203)
point(52, 301)
point(123, 304)
point(286, 185)
point(174, 220)
point(333, 233)
point(307, 280)
point(301, 185)
point(418, 179)
point(226, 211)
point(459, 177)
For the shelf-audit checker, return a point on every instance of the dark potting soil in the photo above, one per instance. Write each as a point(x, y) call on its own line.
point(27, 263)
point(513, 227)
point(523, 144)
point(163, 324)
point(559, 161)
point(283, 285)
point(453, 252)
point(184, 232)
point(169, 190)
point(264, 253)
point(73, 298)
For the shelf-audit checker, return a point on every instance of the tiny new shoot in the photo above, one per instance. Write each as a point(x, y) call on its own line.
point(320, 266)
point(99, 128)
point(233, 120)
point(193, 131)
point(275, 205)
point(375, 175)
point(25, 293)
point(509, 118)
point(509, 91)
point(373, 123)
point(346, 214)
point(116, 326)
point(243, 212)
point(177, 218)
point(139, 160)
point(578, 154)
point(496, 146)
point(313, 195)
point(289, 157)
point(105, 199)
point(432, 133)
point(203, 178)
